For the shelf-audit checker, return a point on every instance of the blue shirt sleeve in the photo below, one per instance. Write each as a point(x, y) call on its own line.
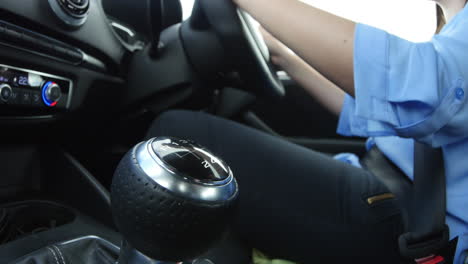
point(406, 89)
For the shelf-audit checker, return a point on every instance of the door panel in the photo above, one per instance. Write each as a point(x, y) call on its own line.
point(296, 114)
point(300, 118)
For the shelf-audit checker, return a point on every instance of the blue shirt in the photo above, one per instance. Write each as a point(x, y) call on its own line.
point(406, 91)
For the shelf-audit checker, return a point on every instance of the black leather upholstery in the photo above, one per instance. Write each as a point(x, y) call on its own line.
point(82, 251)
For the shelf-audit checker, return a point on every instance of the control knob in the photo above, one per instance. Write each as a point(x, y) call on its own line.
point(5, 92)
point(51, 93)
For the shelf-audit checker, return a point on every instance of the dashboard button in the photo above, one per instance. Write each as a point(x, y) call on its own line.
point(36, 98)
point(25, 97)
point(14, 99)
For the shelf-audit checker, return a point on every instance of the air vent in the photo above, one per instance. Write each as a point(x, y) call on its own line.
point(71, 12)
point(76, 8)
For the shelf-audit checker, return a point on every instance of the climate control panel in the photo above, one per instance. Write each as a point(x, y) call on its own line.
point(37, 92)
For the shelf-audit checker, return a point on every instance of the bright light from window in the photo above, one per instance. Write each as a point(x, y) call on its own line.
point(414, 20)
point(187, 6)
point(411, 19)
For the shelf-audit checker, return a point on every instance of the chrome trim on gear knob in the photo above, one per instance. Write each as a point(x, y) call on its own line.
point(162, 174)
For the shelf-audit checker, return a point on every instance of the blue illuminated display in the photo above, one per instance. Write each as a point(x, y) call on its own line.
point(23, 80)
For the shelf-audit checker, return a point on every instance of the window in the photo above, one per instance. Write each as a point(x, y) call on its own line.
point(187, 6)
point(414, 20)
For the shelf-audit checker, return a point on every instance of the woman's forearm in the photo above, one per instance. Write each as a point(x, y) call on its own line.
point(327, 93)
point(323, 40)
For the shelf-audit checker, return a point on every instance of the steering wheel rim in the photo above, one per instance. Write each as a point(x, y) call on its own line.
point(243, 42)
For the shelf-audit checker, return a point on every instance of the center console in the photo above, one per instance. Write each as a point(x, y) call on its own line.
point(172, 202)
point(47, 197)
point(24, 92)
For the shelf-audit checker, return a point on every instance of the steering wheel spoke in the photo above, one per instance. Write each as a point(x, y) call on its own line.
point(242, 43)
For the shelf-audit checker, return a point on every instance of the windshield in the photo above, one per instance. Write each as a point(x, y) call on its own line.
point(414, 20)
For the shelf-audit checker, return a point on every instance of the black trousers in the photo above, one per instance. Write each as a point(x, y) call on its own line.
point(295, 203)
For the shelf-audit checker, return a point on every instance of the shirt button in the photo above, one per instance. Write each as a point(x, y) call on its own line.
point(459, 93)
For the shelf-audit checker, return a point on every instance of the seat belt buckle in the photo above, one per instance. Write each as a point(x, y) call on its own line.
point(431, 260)
point(413, 248)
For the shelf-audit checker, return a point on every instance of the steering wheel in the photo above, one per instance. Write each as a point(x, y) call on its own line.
point(242, 41)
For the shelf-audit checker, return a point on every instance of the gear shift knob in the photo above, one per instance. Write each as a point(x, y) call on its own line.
point(171, 199)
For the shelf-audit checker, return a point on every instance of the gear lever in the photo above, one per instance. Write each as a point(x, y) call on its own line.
point(171, 199)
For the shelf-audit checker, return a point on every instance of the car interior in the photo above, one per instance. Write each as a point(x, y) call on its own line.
point(81, 81)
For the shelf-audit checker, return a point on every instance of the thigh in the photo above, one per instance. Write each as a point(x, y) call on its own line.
point(295, 203)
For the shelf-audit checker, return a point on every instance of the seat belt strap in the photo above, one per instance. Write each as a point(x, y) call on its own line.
point(426, 232)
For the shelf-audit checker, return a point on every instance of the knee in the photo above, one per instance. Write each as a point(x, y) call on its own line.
point(165, 121)
point(172, 116)
point(170, 122)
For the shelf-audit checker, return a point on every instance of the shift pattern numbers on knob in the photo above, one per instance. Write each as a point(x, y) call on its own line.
point(191, 160)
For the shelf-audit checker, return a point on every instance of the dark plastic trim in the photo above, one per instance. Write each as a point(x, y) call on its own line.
point(65, 179)
point(98, 187)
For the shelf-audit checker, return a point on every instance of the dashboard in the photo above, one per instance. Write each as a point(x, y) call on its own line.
point(58, 56)
point(94, 32)
point(64, 60)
